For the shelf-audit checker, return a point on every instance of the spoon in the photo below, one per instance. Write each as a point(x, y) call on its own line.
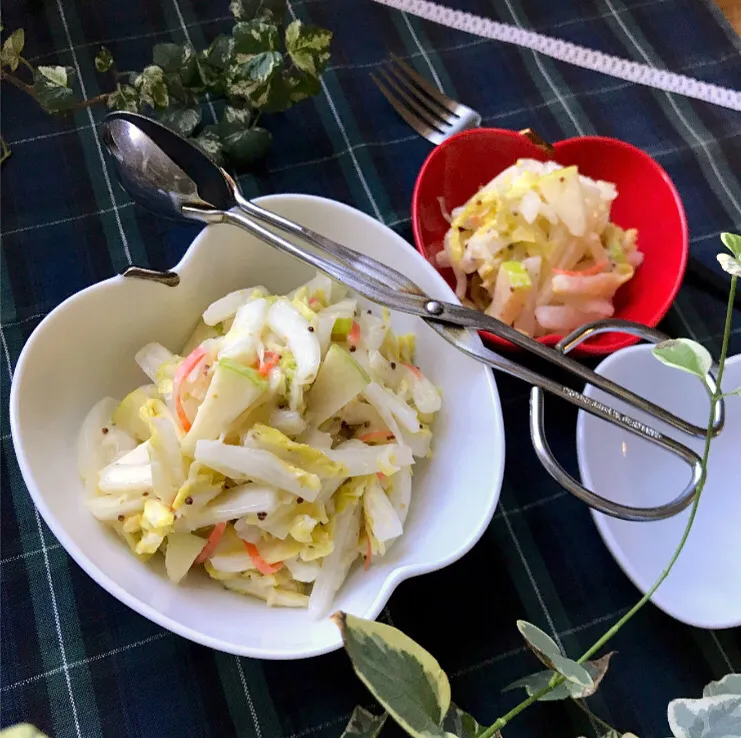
point(172, 177)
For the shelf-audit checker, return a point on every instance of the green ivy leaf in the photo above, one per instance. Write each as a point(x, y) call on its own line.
point(103, 60)
point(732, 241)
point(730, 265)
point(220, 52)
point(301, 86)
point(567, 690)
point(364, 724)
point(12, 47)
point(250, 9)
point(210, 142)
point(151, 86)
point(234, 118)
point(246, 146)
point(291, 87)
point(684, 354)
point(169, 57)
point(401, 675)
point(308, 47)
point(252, 81)
point(189, 68)
point(254, 37)
point(460, 724)
point(58, 76)
point(51, 85)
point(124, 97)
point(546, 649)
point(213, 63)
point(181, 120)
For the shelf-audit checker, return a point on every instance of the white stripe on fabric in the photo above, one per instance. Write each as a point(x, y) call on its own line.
point(248, 697)
point(85, 662)
point(680, 114)
point(103, 165)
point(28, 554)
point(346, 139)
point(422, 51)
point(722, 651)
point(565, 51)
point(137, 36)
point(24, 320)
point(68, 220)
point(548, 78)
point(530, 576)
point(57, 622)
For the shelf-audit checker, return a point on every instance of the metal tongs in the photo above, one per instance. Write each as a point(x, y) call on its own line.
point(172, 177)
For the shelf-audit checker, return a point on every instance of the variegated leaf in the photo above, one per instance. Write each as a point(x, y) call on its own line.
point(728, 685)
point(405, 679)
point(548, 651)
point(684, 354)
point(730, 264)
point(567, 690)
point(462, 725)
point(732, 241)
point(707, 717)
point(364, 724)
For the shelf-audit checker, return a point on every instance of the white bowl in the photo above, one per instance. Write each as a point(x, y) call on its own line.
point(703, 589)
point(84, 350)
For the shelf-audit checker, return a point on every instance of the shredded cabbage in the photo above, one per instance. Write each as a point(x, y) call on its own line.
point(535, 245)
point(272, 450)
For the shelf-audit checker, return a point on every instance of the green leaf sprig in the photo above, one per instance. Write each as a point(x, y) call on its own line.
point(260, 67)
point(413, 689)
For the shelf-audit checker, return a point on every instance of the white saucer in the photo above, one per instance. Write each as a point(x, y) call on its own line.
point(704, 588)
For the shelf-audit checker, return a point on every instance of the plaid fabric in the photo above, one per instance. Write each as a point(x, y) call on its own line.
point(75, 661)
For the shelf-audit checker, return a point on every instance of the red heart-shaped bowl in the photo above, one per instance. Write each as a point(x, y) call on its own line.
point(647, 200)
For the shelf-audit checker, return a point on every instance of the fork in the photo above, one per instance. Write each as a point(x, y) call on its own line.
point(431, 113)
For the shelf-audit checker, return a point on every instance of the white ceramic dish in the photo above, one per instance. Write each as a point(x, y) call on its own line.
point(84, 350)
point(704, 588)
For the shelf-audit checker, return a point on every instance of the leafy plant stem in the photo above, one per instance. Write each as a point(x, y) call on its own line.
point(715, 398)
point(26, 64)
point(726, 332)
point(28, 89)
point(495, 727)
point(693, 511)
point(582, 705)
point(19, 83)
point(4, 150)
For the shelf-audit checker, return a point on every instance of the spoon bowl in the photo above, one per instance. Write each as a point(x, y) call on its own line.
point(145, 153)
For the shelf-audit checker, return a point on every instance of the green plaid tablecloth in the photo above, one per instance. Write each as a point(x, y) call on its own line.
point(75, 661)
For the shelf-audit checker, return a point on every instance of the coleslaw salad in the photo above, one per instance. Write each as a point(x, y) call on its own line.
point(274, 450)
point(535, 248)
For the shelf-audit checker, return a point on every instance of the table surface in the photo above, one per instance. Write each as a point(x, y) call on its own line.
point(75, 661)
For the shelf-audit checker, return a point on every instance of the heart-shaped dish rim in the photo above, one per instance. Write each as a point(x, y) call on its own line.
point(599, 345)
point(198, 265)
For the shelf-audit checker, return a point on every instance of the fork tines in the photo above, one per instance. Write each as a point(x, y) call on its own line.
point(426, 109)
